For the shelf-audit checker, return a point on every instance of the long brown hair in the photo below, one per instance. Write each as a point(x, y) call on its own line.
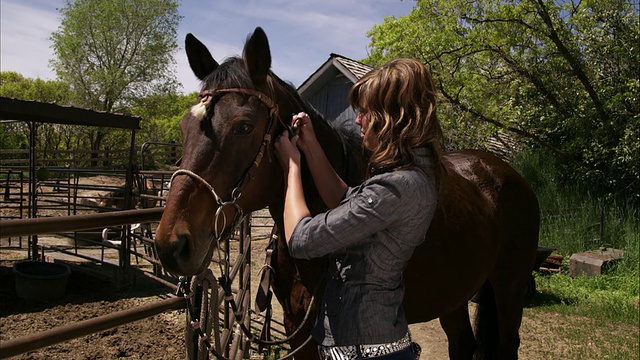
point(400, 100)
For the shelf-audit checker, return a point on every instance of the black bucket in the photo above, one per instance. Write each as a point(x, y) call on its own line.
point(41, 281)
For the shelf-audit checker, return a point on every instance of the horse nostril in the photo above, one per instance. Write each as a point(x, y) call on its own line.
point(180, 247)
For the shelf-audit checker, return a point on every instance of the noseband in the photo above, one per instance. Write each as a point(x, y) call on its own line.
point(206, 98)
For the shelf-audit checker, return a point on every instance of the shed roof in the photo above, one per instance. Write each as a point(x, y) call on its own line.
point(335, 65)
point(24, 110)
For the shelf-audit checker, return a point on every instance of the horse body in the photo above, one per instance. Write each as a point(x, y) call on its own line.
point(482, 240)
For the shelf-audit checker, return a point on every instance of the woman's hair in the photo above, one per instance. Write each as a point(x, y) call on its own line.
point(400, 100)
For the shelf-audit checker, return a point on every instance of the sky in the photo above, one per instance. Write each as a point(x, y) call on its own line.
point(302, 33)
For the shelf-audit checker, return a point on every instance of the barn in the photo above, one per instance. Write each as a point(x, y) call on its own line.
point(328, 87)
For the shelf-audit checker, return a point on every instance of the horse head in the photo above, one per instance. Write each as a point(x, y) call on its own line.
point(228, 167)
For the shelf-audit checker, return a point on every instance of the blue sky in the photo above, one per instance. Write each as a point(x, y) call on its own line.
point(302, 33)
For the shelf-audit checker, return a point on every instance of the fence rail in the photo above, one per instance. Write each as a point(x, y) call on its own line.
point(151, 155)
point(63, 333)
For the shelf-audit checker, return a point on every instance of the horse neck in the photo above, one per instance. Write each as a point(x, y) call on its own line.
point(336, 151)
point(331, 142)
point(329, 139)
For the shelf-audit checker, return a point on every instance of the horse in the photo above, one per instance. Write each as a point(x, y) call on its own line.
point(481, 243)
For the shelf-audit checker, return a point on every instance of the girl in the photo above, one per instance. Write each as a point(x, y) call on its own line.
point(371, 230)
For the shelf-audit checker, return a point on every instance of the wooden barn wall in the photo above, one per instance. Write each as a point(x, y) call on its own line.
point(332, 101)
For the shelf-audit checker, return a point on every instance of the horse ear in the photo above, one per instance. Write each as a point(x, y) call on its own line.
point(200, 59)
point(257, 56)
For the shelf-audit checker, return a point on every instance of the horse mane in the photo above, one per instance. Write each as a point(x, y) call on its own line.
point(230, 73)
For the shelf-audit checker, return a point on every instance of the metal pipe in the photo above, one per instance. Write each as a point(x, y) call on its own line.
point(47, 225)
point(33, 188)
point(42, 339)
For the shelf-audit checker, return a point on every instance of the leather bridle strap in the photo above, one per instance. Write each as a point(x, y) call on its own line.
point(273, 115)
point(272, 106)
point(206, 96)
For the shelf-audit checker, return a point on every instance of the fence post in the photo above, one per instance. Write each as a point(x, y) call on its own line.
point(174, 153)
point(105, 162)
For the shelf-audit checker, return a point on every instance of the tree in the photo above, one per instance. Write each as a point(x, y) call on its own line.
point(14, 85)
point(563, 75)
point(113, 51)
point(15, 135)
point(162, 114)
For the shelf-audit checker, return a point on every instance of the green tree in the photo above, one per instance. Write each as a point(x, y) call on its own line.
point(15, 135)
point(14, 85)
point(162, 114)
point(563, 75)
point(113, 51)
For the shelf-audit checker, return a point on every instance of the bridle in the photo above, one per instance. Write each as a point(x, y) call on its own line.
point(207, 97)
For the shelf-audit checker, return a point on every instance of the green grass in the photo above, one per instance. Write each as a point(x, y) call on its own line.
point(599, 298)
point(573, 220)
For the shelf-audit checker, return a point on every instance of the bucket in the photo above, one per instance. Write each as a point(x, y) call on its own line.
point(41, 281)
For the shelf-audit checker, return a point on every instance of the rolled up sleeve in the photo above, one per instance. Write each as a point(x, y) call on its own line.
point(365, 211)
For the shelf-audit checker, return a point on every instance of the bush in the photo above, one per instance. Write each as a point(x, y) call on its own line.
point(572, 220)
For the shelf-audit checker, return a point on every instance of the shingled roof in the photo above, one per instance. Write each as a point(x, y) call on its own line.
point(357, 68)
point(335, 65)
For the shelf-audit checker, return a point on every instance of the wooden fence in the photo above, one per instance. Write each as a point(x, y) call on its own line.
point(149, 156)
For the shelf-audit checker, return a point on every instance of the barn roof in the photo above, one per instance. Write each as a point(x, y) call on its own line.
point(24, 110)
point(335, 65)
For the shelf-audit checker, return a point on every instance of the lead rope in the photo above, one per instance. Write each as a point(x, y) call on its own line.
point(200, 326)
point(225, 283)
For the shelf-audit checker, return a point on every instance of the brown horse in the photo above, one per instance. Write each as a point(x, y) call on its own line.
point(482, 241)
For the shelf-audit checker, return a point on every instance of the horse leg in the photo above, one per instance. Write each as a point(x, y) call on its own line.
point(304, 347)
point(457, 326)
point(509, 305)
point(485, 323)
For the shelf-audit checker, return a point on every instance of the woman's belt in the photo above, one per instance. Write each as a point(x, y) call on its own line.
point(350, 352)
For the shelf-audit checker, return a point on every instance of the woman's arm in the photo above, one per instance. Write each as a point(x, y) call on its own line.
point(295, 205)
point(330, 186)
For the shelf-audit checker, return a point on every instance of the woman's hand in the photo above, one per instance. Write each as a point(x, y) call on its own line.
point(287, 151)
point(303, 127)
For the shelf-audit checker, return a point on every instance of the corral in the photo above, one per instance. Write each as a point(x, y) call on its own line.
point(98, 215)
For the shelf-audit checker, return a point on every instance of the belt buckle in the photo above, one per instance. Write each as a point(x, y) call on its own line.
point(384, 349)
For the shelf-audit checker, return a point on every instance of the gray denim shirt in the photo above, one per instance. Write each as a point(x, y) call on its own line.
point(369, 239)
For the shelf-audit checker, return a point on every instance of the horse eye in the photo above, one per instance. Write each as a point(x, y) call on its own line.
point(243, 128)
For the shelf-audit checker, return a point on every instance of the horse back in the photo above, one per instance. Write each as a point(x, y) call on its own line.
point(486, 221)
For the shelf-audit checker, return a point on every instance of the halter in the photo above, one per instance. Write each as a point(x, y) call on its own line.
point(208, 96)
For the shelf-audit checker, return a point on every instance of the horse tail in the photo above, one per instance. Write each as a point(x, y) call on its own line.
point(486, 324)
